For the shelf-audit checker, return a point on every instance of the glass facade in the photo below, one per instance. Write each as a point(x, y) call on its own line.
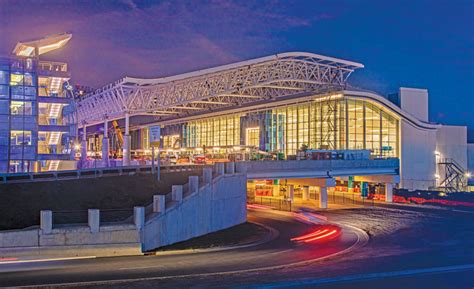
point(217, 131)
point(31, 127)
point(334, 123)
point(18, 114)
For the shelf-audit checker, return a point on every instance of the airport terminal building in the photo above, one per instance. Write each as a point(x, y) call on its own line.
point(284, 106)
point(280, 104)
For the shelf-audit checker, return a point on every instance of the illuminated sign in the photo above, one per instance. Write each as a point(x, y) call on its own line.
point(155, 133)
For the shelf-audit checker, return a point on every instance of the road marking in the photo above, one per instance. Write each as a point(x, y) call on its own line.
point(366, 277)
point(47, 260)
point(362, 239)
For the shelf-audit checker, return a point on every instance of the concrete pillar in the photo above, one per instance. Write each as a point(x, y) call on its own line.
point(305, 193)
point(105, 145)
point(276, 190)
point(230, 168)
point(219, 169)
point(93, 219)
point(84, 144)
point(193, 182)
point(291, 192)
point(159, 203)
point(139, 217)
point(126, 142)
point(323, 197)
point(46, 222)
point(177, 193)
point(388, 192)
point(207, 175)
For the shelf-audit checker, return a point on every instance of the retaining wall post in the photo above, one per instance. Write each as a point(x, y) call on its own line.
point(177, 193)
point(46, 222)
point(159, 203)
point(93, 219)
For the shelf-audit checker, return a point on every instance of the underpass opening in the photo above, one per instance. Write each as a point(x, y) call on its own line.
point(293, 193)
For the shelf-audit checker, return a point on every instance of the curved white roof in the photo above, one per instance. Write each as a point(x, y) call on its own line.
point(227, 85)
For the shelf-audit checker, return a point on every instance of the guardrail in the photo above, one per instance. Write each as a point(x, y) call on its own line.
point(93, 173)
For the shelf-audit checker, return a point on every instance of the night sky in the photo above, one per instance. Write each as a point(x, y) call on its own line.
point(423, 44)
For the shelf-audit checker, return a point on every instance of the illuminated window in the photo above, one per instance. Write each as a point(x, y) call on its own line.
point(21, 108)
point(216, 131)
point(171, 141)
point(20, 137)
point(252, 137)
point(16, 79)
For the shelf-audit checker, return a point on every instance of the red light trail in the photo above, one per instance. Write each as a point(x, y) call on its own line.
point(321, 234)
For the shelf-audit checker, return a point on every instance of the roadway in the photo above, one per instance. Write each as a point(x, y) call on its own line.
point(277, 253)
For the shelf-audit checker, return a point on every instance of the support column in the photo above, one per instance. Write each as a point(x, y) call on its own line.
point(323, 197)
point(126, 142)
point(276, 188)
point(84, 144)
point(305, 193)
point(388, 192)
point(105, 144)
point(291, 192)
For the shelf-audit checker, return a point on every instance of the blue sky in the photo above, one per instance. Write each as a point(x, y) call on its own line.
point(423, 44)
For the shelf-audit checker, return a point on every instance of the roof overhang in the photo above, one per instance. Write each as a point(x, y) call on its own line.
point(41, 46)
point(266, 78)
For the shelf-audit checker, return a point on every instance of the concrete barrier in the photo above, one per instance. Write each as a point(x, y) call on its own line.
point(216, 204)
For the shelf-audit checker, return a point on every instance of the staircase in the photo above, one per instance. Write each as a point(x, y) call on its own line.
point(53, 165)
point(454, 176)
point(55, 110)
point(54, 137)
point(55, 85)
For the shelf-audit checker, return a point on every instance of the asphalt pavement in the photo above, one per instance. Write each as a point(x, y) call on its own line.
point(277, 253)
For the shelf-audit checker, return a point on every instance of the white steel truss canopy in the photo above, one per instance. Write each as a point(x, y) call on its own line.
point(256, 80)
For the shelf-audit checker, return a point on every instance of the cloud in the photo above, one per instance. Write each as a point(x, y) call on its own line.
point(132, 5)
point(148, 39)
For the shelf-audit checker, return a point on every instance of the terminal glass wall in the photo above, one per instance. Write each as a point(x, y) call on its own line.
point(216, 131)
point(323, 123)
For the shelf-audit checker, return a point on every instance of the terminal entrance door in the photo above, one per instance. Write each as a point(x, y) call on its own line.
point(252, 137)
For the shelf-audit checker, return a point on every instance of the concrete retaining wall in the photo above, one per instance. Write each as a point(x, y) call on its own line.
point(216, 206)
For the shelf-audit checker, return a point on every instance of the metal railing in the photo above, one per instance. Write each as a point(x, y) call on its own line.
point(93, 173)
point(52, 66)
point(283, 204)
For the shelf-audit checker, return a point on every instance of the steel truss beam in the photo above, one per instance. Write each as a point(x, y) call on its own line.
point(235, 84)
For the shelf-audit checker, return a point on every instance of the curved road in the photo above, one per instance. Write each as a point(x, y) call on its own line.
point(280, 251)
